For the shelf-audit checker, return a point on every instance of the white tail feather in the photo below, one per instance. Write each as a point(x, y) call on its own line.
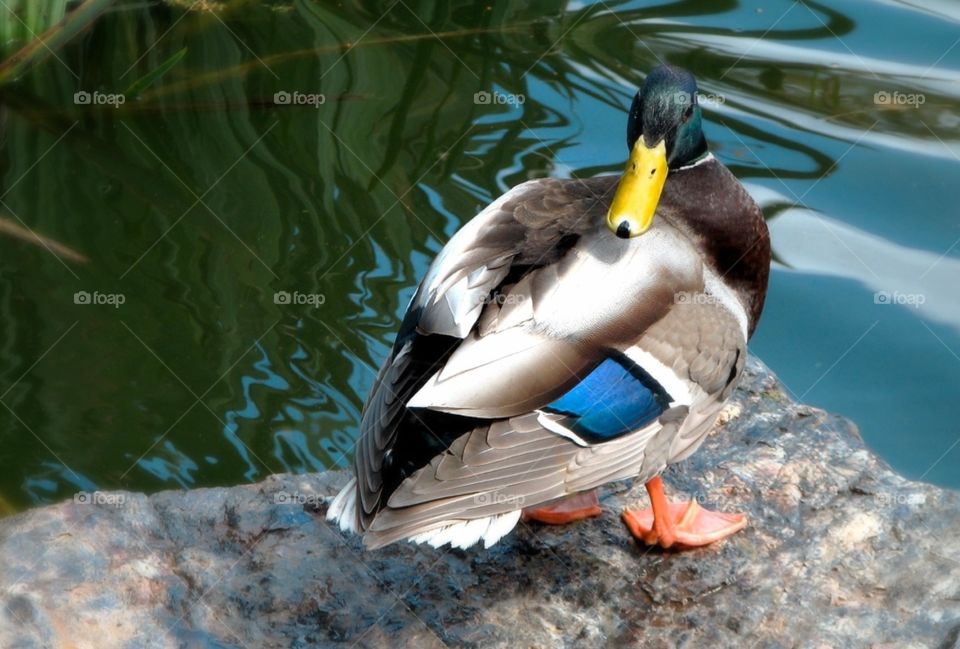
point(343, 509)
point(500, 526)
point(459, 534)
point(463, 534)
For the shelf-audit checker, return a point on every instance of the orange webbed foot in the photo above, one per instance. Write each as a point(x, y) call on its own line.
point(684, 524)
point(573, 508)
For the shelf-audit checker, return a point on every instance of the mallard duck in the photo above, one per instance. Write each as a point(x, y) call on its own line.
point(573, 333)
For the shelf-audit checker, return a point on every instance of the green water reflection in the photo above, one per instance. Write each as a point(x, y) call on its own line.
point(208, 200)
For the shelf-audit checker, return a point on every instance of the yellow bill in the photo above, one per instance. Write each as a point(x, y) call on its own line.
point(638, 194)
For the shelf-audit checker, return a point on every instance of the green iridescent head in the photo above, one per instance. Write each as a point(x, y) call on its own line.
point(664, 133)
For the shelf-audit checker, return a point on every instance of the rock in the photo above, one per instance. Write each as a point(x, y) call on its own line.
point(840, 552)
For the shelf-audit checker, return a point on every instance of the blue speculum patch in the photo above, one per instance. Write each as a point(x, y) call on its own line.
point(616, 398)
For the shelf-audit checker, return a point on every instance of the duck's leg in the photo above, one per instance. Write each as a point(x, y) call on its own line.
point(572, 508)
point(684, 524)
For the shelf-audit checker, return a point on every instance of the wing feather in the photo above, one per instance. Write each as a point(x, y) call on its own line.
point(530, 226)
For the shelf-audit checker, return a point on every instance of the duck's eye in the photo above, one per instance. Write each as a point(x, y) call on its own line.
point(688, 113)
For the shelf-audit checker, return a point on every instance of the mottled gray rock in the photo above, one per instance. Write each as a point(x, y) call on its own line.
point(840, 552)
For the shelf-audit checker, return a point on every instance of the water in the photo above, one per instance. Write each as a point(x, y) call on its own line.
point(201, 204)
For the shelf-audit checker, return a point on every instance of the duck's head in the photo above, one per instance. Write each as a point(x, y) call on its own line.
point(664, 133)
